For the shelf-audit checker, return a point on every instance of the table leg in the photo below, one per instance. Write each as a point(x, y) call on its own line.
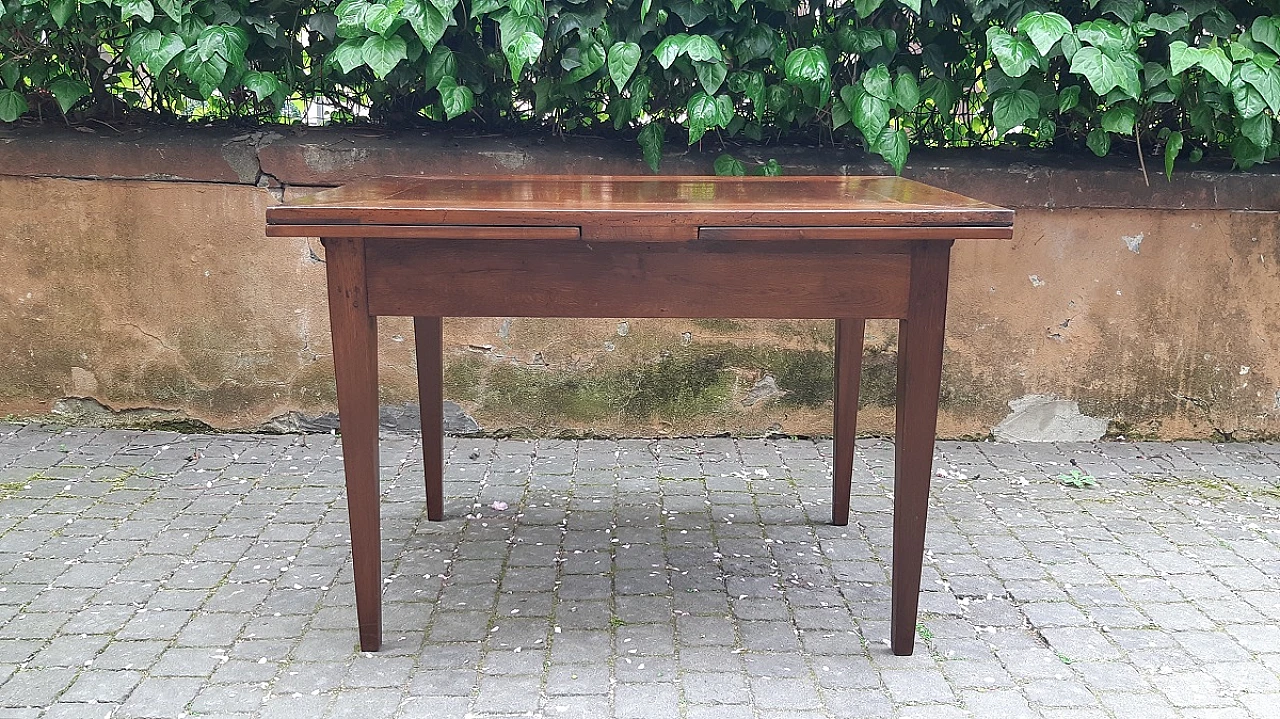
point(428, 340)
point(919, 380)
point(849, 334)
point(355, 359)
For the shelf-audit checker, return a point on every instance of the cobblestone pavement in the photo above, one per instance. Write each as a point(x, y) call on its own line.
point(151, 574)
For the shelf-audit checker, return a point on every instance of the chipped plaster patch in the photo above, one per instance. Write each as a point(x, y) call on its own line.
point(1044, 418)
point(1036, 281)
point(1134, 242)
point(508, 159)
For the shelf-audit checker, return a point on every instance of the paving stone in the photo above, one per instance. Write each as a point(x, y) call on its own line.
point(646, 701)
point(160, 698)
point(715, 688)
point(1149, 606)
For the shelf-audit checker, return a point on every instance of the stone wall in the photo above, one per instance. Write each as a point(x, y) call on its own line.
point(139, 288)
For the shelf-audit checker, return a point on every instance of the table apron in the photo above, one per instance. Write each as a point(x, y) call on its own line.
point(578, 279)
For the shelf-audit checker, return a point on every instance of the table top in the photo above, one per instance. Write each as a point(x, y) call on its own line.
point(616, 207)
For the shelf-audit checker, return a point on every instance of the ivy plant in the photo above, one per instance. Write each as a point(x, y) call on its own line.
point(1162, 79)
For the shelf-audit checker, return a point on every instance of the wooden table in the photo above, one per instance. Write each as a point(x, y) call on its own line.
point(843, 248)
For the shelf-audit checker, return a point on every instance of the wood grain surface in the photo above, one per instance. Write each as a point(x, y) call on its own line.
point(631, 208)
point(574, 279)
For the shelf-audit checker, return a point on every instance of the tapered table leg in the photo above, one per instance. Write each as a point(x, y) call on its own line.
point(427, 338)
point(849, 334)
point(919, 380)
point(355, 359)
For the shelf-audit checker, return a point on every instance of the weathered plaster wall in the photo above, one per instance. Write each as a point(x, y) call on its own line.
point(136, 273)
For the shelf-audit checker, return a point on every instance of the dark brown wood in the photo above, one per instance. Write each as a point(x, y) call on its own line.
point(849, 338)
point(801, 247)
point(920, 338)
point(426, 232)
point(428, 344)
point(859, 234)
point(576, 279)
point(641, 208)
point(355, 359)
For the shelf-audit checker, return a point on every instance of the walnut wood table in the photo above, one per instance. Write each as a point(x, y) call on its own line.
point(843, 248)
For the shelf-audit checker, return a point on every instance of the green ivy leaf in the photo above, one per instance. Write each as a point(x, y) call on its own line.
point(61, 10)
point(226, 41)
point(1266, 81)
point(1127, 10)
point(1068, 98)
point(1258, 129)
point(876, 82)
point(1182, 57)
point(349, 55)
point(1215, 62)
point(1172, 147)
point(858, 41)
point(1097, 68)
point(893, 147)
point(706, 112)
point(702, 48)
point(710, 75)
point(1171, 23)
point(1239, 52)
point(206, 72)
point(650, 140)
point(382, 54)
point(870, 113)
point(427, 20)
point(1119, 120)
point(154, 49)
point(866, 7)
point(1245, 153)
point(1099, 141)
point(624, 57)
point(942, 92)
point(351, 17)
point(728, 165)
point(172, 8)
point(10, 74)
point(137, 8)
point(1013, 109)
point(670, 48)
point(1266, 30)
point(457, 99)
point(750, 85)
point(906, 92)
point(532, 8)
point(1212, 59)
point(1070, 46)
point(12, 105)
point(525, 49)
point(592, 57)
point(441, 63)
point(1015, 55)
point(68, 91)
point(1102, 34)
point(807, 66)
point(757, 42)
point(262, 84)
point(1044, 28)
point(384, 19)
point(840, 115)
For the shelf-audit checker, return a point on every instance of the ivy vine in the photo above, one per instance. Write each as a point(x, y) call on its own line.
point(1159, 78)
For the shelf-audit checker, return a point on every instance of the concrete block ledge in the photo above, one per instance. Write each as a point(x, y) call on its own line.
point(138, 277)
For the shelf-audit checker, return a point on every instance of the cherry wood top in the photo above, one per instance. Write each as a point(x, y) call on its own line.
point(641, 208)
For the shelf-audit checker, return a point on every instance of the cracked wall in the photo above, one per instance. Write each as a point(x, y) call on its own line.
point(164, 294)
